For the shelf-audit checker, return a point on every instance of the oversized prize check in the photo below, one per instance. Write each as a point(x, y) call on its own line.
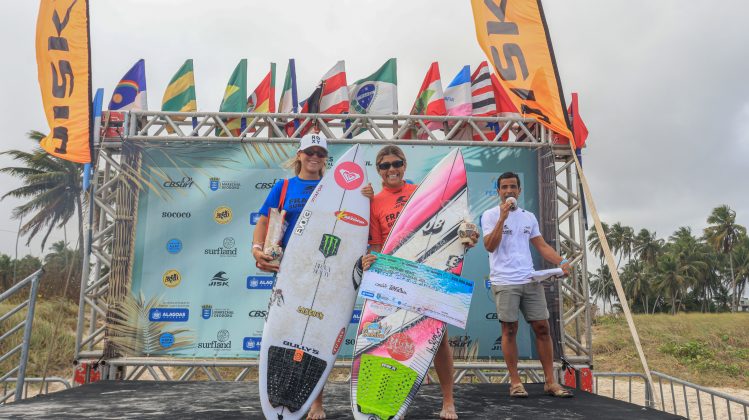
point(418, 288)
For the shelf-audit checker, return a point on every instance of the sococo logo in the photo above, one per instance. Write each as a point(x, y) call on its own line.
point(251, 343)
point(175, 215)
point(259, 283)
point(185, 182)
point(168, 314)
point(216, 184)
point(222, 215)
point(228, 248)
point(222, 341)
point(171, 278)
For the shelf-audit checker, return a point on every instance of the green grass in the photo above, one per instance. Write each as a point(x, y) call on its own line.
point(707, 349)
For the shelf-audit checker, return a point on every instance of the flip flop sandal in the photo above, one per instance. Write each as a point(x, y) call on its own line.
point(556, 390)
point(518, 391)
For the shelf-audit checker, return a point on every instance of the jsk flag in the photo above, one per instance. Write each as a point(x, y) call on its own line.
point(63, 58)
point(263, 99)
point(429, 101)
point(376, 94)
point(235, 98)
point(180, 93)
point(130, 93)
point(515, 39)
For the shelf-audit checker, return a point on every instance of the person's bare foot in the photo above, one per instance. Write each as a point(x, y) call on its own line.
point(316, 412)
point(448, 412)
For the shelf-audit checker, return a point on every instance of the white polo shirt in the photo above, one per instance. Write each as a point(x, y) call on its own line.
point(511, 263)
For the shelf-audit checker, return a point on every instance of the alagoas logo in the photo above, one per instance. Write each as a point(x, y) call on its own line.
point(171, 278)
point(222, 215)
point(168, 314)
point(350, 218)
point(349, 175)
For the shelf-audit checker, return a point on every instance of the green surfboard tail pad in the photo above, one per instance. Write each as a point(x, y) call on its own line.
point(383, 386)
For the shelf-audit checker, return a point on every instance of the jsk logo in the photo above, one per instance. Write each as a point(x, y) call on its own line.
point(329, 245)
point(349, 175)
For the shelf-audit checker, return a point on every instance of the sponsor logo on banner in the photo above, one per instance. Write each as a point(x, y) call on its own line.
point(329, 245)
point(310, 312)
point(339, 340)
point(175, 215)
point(351, 218)
point(227, 250)
point(349, 175)
point(168, 314)
point(185, 182)
point(301, 224)
point(206, 311)
point(166, 340)
point(171, 278)
point(174, 246)
point(217, 183)
point(488, 283)
point(356, 316)
point(259, 283)
point(265, 185)
point(222, 341)
point(222, 215)
point(251, 343)
point(254, 217)
point(491, 315)
point(219, 280)
point(257, 314)
point(497, 344)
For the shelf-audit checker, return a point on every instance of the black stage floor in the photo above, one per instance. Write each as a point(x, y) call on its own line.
point(219, 400)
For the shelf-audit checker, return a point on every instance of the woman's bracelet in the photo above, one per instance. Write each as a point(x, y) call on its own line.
point(563, 262)
point(257, 246)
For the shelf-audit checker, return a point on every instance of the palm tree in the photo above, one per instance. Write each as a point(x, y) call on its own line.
point(647, 247)
point(602, 285)
point(635, 276)
point(741, 264)
point(722, 235)
point(594, 242)
point(622, 241)
point(52, 187)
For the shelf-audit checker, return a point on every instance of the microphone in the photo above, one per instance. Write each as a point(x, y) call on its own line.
point(513, 203)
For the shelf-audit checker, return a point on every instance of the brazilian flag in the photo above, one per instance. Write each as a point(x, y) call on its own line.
point(235, 98)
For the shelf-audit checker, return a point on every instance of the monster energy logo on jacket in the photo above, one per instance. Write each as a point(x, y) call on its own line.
point(329, 245)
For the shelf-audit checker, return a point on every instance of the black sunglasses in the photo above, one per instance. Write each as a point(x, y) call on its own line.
point(311, 153)
point(386, 165)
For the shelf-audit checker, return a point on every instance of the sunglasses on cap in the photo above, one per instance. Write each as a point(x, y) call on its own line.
point(318, 153)
point(386, 165)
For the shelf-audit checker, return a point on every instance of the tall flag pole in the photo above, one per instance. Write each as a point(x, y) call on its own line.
point(130, 93)
point(179, 95)
point(63, 58)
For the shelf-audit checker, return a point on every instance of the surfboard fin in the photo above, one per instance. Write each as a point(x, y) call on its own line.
point(292, 376)
point(383, 386)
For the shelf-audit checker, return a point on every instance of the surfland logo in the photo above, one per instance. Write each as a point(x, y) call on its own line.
point(350, 218)
point(329, 245)
point(222, 341)
point(229, 249)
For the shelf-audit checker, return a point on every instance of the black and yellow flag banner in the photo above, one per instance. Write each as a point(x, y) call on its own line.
point(514, 36)
point(64, 65)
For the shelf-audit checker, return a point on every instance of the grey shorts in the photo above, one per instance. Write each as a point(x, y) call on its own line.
point(528, 298)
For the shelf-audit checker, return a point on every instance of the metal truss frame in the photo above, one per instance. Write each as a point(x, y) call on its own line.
point(110, 210)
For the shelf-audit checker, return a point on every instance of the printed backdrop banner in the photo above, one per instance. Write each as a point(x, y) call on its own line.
point(63, 62)
point(193, 271)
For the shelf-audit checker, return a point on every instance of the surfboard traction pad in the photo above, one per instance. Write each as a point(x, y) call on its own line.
point(383, 385)
point(293, 375)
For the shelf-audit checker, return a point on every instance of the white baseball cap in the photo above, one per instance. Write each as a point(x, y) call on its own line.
point(311, 140)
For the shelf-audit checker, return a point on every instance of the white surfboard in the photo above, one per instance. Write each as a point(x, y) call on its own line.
point(314, 293)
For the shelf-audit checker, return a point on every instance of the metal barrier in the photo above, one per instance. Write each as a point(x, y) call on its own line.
point(676, 396)
point(44, 389)
point(19, 370)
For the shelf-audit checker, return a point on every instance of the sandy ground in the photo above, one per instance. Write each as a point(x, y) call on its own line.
point(675, 401)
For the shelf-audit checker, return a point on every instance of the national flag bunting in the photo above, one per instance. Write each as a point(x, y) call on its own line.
point(289, 102)
point(429, 101)
point(180, 93)
point(130, 93)
point(334, 96)
point(377, 93)
point(482, 92)
point(458, 100)
point(579, 130)
point(263, 99)
point(235, 98)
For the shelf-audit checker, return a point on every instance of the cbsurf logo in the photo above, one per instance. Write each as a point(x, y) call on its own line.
point(329, 245)
point(349, 175)
point(350, 218)
point(185, 182)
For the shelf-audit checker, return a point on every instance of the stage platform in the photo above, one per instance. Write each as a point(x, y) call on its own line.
point(239, 400)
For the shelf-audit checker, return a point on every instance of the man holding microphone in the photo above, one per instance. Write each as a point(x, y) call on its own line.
point(508, 230)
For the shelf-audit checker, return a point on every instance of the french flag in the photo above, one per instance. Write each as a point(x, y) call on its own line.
point(458, 99)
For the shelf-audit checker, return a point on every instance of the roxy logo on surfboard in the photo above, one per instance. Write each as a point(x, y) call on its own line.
point(349, 175)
